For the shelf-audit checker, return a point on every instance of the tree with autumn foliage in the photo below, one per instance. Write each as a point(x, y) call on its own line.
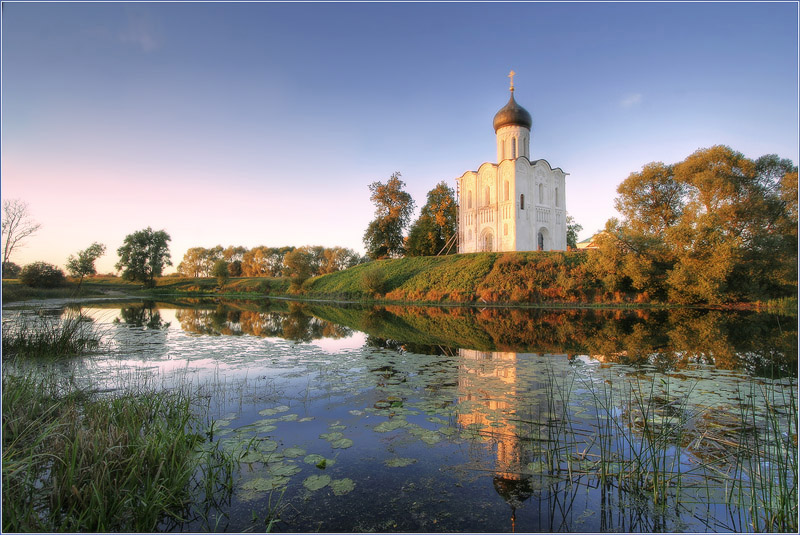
point(393, 208)
point(716, 227)
point(436, 224)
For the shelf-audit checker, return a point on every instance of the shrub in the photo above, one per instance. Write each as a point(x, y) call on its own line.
point(42, 275)
point(373, 280)
point(10, 270)
point(220, 271)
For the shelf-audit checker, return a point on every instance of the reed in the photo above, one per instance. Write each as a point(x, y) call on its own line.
point(75, 461)
point(656, 457)
point(40, 336)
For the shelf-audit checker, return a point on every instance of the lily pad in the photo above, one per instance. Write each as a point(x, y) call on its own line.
point(288, 418)
point(318, 460)
point(273, 411)
point(342, 443)
point(294, 452)
point(425, 435)
point(283, 469)
point(252, 457)
point(267, 446)
point(316, 482)
point(399, 462)
point(306, 419)
point(265, 484)
point(342, 486)
point(313, 458)
point(390, 425)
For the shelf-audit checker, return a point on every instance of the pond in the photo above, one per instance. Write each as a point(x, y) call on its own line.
point(409, 419)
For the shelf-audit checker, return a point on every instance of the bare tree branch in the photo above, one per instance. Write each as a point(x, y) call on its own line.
point(17, 225)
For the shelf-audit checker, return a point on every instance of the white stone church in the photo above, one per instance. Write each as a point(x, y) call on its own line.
point(516, 204)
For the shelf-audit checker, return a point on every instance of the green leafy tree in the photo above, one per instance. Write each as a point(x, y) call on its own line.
point(220, 271)
point(573, 229)
point(436, 225)
point(42, 275)
point(393, 208)
point(143, 256)
point(82, 265)
point(298, 268)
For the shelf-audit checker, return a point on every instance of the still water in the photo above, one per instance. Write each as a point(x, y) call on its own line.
point(404, 419)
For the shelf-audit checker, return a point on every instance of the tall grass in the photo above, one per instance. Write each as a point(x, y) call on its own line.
point(39, 336)
point(765, 468)
point(74, 461)
point(658, 459)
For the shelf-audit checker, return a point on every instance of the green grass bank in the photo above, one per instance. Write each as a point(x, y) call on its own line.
point(553, 278)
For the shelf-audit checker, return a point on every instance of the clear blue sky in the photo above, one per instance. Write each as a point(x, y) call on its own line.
point(263, 123)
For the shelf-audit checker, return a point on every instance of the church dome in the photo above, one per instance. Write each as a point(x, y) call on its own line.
point(512, 114)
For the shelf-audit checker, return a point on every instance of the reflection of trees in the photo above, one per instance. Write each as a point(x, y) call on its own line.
point(295, 324)
point(144, 315)
point(759, 343)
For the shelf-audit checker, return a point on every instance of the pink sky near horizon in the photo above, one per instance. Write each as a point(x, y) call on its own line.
point(263, 124)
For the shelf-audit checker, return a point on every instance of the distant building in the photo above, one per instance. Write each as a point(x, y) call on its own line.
point(590, 243)
point(515, 204)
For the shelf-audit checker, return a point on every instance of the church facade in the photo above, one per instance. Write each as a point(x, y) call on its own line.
point(516, 204)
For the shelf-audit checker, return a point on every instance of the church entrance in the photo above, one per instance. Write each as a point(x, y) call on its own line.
point(486, 243)
point(543, 240)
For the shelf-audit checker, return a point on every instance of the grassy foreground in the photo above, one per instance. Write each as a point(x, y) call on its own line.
point(75, 460)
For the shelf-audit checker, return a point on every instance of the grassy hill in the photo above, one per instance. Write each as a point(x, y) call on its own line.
point(478, 277)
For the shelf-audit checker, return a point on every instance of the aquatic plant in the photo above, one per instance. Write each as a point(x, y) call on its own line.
point(656, 451)
point(39, 336)
point(77, 461)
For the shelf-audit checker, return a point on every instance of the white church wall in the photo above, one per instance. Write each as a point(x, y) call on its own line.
point(506, 206)
point(513, 141)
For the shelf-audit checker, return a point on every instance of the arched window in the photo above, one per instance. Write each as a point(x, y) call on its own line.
point(522, 201)
point(488, 196)
point(505, 190)
point(540, 240)
point(469, 199)
point(557, 200)
point(541, 193)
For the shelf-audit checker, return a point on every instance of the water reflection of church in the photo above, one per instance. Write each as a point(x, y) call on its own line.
point(497, 389)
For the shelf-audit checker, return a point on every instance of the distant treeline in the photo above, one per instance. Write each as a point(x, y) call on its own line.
point(265, 261)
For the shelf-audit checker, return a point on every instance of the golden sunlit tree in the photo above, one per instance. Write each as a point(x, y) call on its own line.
point(436, 225)
point(393, 208)
point(716, 227)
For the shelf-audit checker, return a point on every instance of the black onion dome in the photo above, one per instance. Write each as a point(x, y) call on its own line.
point(512, 113)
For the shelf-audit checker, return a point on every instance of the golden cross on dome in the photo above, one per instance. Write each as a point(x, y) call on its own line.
point(511, 75)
